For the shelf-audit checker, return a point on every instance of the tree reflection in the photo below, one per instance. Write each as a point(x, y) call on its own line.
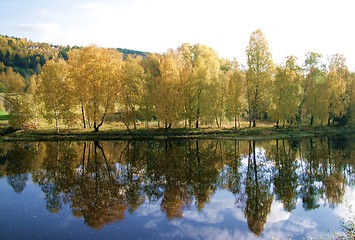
point(205, 172)
point(57, 176)
point(310, 192)
point(334, 179)
point(104, 181)
point(19, 164)
point(233, 177)
point(133, 179)
point(259, 196)
point(176, 194)
point(97, 196)
point(285, 178)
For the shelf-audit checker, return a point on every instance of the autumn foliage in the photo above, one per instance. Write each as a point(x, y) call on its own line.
point(189, 86)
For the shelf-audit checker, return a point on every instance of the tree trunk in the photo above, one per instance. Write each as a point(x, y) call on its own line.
point(198, 107)
point(56, 120)
point(83, 115)
point(235, 122)
point(83, 159)
point(56, 125)
point(127, 126)
point(255, 167)
point(96, 128)
point(198, 116)
point(299, 118)
point(197, 153)
point(134, 117)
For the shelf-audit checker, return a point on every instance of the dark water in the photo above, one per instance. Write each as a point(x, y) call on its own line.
point(205, 189)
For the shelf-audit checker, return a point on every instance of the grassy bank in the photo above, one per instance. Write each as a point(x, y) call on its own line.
point(259, 133)
point(117, 131)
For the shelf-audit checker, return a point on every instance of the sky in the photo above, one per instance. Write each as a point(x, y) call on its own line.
point(291, 27)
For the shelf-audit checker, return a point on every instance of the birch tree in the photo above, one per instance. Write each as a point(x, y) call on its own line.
point(131, 89)
point(151, 74)
point(54, 90)
point(258, 76)
point(96, 75)
point(168, 89)
point(12, 82)
point(337, 84)
point(315, 91)
point(205, 72)
point(285, 91)
point(235, 96)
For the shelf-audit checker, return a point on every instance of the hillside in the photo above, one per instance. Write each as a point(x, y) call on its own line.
point(126, 52)
point(27, 57)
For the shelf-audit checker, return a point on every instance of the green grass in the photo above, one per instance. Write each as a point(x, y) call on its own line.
point(4, 116)
point(117, 131)
point(114, 133)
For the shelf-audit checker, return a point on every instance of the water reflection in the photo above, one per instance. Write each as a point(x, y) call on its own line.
point(103, 181)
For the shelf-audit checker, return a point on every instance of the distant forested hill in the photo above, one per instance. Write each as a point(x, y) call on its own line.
point(27, 58)
point(131, 52)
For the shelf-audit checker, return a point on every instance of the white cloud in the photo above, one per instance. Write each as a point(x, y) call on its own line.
point(215, 233)
point(44, 29)
point(343, 211)
point(148, 209)
point(209, 215)
point(154, 223)
point(277, 213)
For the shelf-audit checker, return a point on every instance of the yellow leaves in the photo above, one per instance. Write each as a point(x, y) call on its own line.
point(169, 69)
point(336, 86)
point(285, 92)
point(53, 82)
point(259, 74)
point(235, 90)
point(53, 90)
point(206, 64)
point(132, 75)
point(95, 74)
point(12, 82)
point(189, 84)
point(168, 89)
point(19, 107)
point(130, 89)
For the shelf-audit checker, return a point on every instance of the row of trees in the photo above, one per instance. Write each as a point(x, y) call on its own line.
point(189, 85)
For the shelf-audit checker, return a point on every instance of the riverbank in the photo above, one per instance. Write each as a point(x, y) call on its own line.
point(258, 133)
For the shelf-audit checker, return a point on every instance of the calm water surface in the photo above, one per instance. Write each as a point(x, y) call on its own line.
point(195, 189)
